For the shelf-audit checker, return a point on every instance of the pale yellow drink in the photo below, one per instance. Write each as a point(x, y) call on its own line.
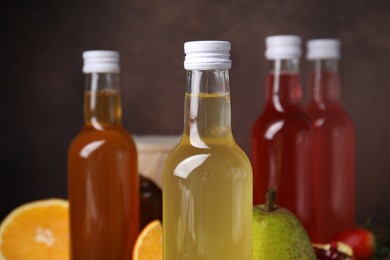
point(207, 180)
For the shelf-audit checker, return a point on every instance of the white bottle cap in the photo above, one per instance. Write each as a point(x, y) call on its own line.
point(323, 49)
point(101, 62)
point(207, 55)
point(283, 47)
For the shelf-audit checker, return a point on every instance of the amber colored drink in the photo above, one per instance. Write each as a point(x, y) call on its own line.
point(334, 174)
point(282, 145)
point(103, 180)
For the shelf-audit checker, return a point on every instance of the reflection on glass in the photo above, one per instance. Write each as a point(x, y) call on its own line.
point(187, 166)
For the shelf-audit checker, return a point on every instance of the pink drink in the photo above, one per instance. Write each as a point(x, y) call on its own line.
point(334, 151)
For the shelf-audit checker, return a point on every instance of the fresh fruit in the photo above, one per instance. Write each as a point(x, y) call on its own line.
point(149, 243)
point(36, 230)
point(277, 233)
point(361, 240)
point(334, 251)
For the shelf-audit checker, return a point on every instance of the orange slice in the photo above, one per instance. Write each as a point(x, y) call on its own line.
point(36, 230)
point(149, 243)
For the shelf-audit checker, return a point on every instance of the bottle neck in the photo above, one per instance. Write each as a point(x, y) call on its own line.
point(102, 100)
point(207, 107)
point(324, 82)
point(283, 86)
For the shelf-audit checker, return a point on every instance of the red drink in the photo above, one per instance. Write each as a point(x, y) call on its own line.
point(282, 139)
point(334, 153)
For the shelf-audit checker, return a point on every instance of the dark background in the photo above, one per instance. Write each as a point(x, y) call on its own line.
point(42, 83)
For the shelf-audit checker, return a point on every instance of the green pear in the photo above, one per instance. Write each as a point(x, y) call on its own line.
point(278, 234)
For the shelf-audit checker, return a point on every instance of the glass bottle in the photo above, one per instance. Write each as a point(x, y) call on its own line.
point(207, 178)
point(282, 136)
point(103, 184)
point(334, 143)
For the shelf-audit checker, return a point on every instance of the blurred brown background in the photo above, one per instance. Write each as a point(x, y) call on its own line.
point(42, 84)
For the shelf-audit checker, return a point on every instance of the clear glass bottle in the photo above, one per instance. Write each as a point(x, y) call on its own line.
point(334, 143)
point(282, 136)
point(207, 178)
point(103, 181)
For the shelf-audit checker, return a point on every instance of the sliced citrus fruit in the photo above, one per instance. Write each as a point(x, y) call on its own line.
point(149, 243)
point(36, 230)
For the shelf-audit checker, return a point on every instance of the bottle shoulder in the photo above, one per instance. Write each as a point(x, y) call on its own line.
point(330, 118)
point(115, 138)
point(207, 168)
point(294, 121)
point(226, 155)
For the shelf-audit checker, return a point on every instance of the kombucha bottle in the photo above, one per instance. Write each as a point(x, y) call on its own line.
point(334, 150)
point(207, 178)
point(282, 136)
point(103, 184)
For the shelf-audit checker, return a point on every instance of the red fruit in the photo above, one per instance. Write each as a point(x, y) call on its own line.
point(361, 240)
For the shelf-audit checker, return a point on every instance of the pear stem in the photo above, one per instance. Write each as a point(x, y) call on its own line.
point(270, 200)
